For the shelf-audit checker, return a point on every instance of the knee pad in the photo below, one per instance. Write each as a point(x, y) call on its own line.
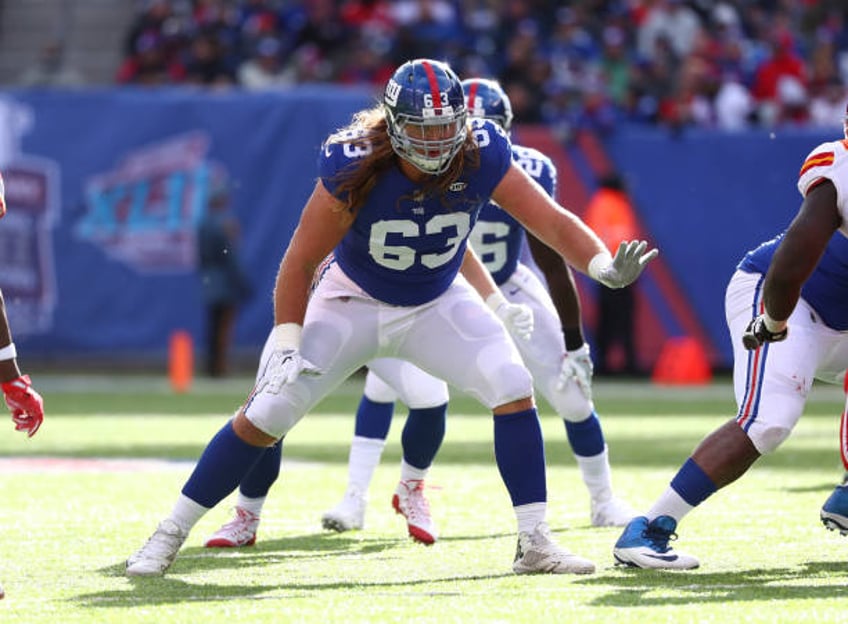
point(768, 437)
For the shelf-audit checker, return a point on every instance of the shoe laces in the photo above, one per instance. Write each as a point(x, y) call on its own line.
point(243, 524)
point(164, 542)
point(658, 537)
point(416, 506)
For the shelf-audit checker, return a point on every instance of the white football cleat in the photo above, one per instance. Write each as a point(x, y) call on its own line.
point(159, 552)
point(240, 531)
point(410, 502)
point(614, 512)
point(537, 553)
point(348, 515)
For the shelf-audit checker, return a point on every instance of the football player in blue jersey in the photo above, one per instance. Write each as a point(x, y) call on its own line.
point(398, 194)
point(788, 320)
point(556, 355)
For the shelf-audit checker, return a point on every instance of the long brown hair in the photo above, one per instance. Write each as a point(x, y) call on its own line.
point(357, 180)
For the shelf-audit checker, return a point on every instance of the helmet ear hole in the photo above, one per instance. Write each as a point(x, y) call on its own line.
point(425, 114)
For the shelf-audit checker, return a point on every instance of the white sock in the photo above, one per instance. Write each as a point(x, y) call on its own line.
point(530, 515)
point(597, 475)
point(669, 504)
point(362, 460)
point(253, 505)
point(186, 512)
point(411, 473)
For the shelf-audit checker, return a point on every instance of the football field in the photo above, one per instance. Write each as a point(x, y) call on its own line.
point(113, 452)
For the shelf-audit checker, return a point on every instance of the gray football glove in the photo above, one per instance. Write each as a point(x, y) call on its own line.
point(626, 266)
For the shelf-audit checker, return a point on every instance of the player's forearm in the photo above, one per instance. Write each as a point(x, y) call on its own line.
point(478, 276)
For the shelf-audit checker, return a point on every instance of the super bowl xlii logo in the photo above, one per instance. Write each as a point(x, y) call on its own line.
point(143, 213)
point(27, 278)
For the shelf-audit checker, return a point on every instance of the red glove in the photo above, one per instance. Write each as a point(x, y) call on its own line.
point(26, 404)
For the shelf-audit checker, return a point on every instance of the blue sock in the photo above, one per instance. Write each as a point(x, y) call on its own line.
point(265, 471)
point(373, 419)
point(692, 483)
point(224, 463)
point(585, 437)
point(422, 435)
point(520, 455)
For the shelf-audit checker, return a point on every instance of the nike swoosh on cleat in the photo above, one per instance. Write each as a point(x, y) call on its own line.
point(663, 557)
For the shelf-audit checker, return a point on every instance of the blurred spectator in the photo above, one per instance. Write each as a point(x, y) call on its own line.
point(150, 64)
point(781, 81)
point(671, 20)
point(610, 214)
point(264, 69)
point(51, 69)
point(207, 63)
point(223, 282)
point(734, 104)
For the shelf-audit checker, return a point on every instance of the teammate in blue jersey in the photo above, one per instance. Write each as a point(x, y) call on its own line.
point(788, 320)
point(398, 193)
point(556, 355)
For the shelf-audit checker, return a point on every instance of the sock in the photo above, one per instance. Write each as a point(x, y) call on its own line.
point(373, 419)
point(529, 516)
point(689, 488)
point(423, 434)
point(411, 473)
point(585, 437)
point(520, 455)
point(596, 475)
point(257, 483)
point(362, 460)
point(222, 466)
point(186, 513)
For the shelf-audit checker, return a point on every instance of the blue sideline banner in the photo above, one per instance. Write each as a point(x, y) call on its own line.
point(104, 191)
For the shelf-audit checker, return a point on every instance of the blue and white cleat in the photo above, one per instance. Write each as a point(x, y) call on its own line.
point(834, 512)
point(645, 545)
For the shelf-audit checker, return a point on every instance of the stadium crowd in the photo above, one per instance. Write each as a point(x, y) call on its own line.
point(587, 63)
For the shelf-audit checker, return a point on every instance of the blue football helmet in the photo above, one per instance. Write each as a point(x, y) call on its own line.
point(486, 98)
point(425, 110)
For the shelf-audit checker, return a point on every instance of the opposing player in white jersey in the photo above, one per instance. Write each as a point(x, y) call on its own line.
point(556, 355)
point(787, 312)
point(398, 193)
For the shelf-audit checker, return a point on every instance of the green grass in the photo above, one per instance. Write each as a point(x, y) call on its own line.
point(67, 525)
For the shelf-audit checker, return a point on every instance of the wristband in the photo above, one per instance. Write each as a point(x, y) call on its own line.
point(287, 336)
point(8, 352)
point(597, 264)
point(775, 327)
point(495, 300)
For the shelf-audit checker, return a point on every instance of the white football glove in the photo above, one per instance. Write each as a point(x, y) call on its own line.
point(284, 367)
point(625, 267)
point(577, 365)
point(517, 317)
point(286, 363)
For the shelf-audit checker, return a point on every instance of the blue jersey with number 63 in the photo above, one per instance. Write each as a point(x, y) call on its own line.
point(498, 237)
point(405, 248)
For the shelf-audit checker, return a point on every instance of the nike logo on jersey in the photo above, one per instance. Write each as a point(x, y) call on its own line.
point(457, 186)
point(514, 292)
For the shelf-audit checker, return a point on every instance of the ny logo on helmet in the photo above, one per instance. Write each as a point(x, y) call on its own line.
point(392, 92)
